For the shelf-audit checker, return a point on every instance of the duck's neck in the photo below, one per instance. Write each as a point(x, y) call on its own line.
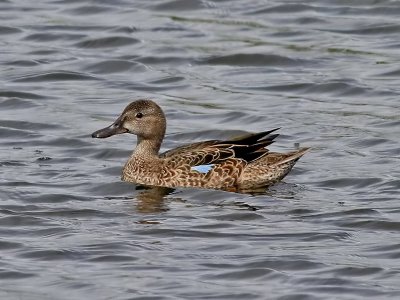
point(147, 148)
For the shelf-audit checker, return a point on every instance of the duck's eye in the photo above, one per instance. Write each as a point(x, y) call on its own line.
point(139, 115)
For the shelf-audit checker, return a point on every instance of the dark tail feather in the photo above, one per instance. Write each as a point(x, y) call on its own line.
point(252, 138)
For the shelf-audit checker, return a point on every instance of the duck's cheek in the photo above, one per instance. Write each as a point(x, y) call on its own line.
point(130, 127)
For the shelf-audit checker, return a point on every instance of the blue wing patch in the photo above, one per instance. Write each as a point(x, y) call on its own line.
point(202, 168)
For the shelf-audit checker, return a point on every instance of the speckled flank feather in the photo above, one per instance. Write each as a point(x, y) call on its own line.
point(242, 163)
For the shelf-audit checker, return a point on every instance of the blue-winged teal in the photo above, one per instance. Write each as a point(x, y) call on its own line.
point(241, 163)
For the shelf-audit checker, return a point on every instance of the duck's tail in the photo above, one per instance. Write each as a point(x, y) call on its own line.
point(293, 156)
point(269, 169)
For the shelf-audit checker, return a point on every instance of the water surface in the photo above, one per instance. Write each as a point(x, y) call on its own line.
point(327, 72)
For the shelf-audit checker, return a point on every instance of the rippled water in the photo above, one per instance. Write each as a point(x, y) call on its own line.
point(327, 72)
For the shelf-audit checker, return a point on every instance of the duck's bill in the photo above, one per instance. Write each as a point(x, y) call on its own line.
point(111, 130)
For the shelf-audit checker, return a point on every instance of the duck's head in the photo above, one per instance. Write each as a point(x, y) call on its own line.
point(142, 117)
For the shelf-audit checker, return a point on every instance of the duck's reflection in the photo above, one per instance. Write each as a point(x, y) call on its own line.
point(153, 199)
point(150, 199)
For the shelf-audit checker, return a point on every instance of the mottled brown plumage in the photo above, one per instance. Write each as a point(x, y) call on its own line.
point(242, 163)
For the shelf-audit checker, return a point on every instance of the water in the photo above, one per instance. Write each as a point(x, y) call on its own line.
point(325, 71)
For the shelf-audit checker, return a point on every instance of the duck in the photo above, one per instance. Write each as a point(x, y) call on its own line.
point(239, 164)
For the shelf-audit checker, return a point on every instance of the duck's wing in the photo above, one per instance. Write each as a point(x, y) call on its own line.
point(188, 148)
point(250, 147)
point(246, 148)
point(243, 140)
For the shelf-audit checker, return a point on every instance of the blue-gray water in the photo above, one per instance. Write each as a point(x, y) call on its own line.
point(327, 72)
